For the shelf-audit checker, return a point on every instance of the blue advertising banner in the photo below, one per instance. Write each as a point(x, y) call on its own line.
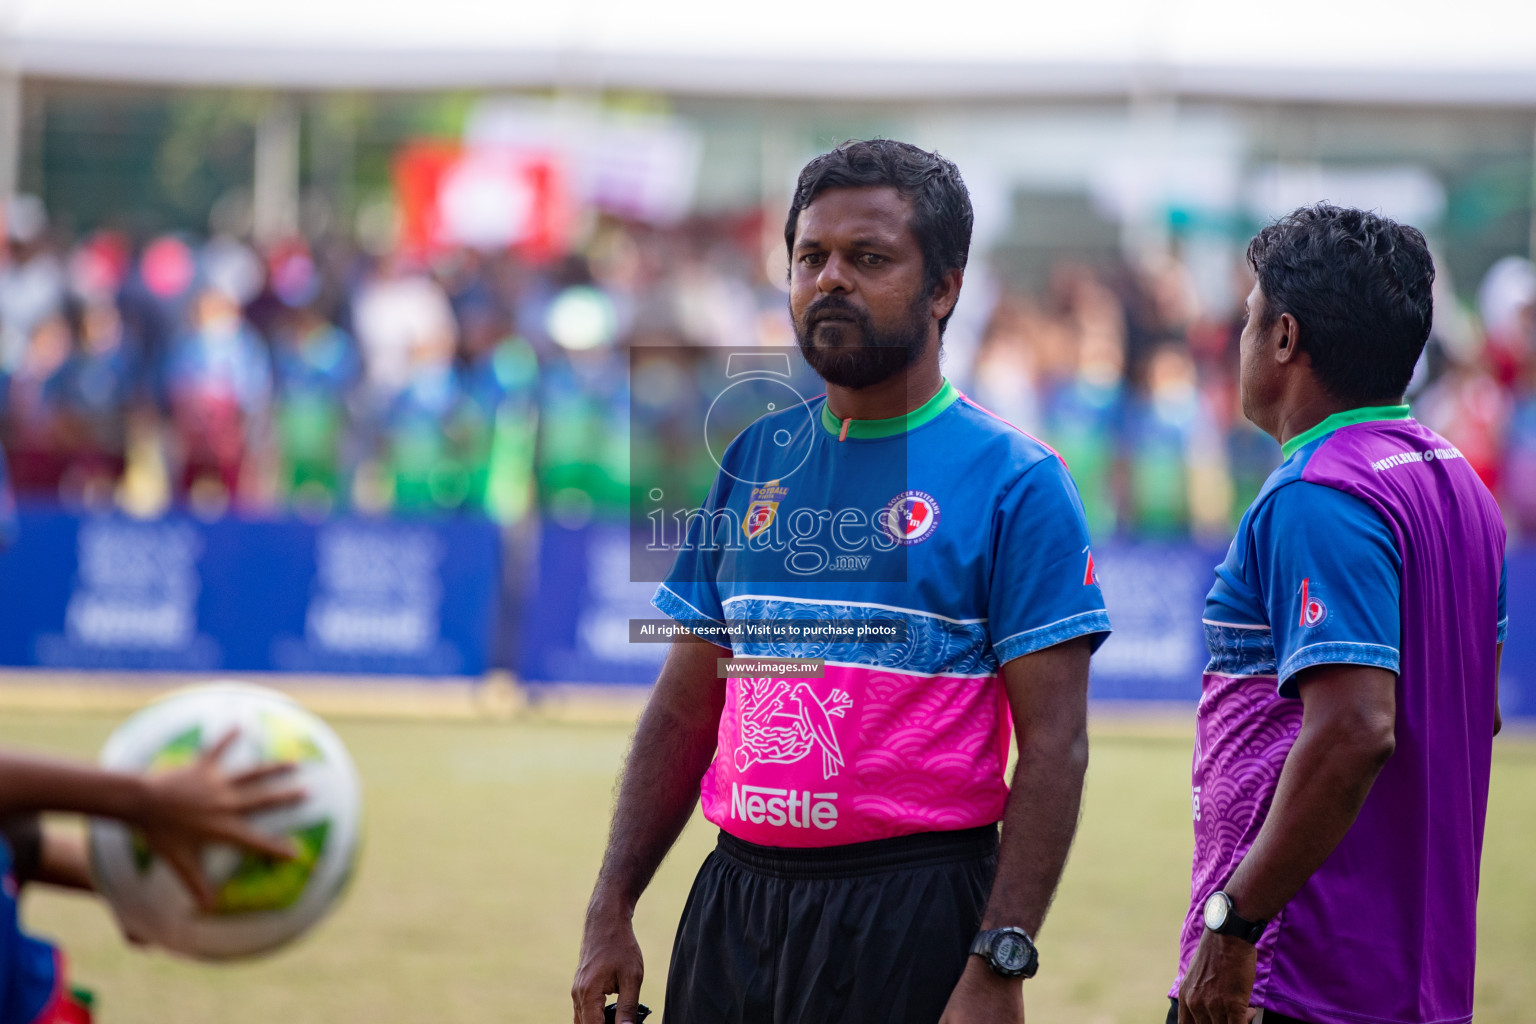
point(1155, 594)
point(576, 630)
point(385, 597)
point(178, 594)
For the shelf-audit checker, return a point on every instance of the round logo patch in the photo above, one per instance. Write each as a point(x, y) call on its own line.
point(911, 516)
point(1313, 612)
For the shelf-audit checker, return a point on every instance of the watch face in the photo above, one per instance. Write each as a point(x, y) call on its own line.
point(1216, 908)
point(1009, 952)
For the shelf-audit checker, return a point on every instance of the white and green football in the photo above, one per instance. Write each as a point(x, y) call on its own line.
point(262, 903)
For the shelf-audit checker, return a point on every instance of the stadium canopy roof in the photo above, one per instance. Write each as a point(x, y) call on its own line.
point(1372, 51)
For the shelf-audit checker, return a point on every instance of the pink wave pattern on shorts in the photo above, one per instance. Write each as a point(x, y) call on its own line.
point(1244, 730)
point(861, 754)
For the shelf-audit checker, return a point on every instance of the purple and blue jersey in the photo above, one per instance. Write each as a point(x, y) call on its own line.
point(1374, 544)
point(949, 522)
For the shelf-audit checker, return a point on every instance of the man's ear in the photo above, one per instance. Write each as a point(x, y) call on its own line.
point(947, 292)
point(1287, 338)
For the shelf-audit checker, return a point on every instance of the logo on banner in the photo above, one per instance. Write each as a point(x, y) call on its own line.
point(1313, 611)
point(911, 516)
point(783, 724)
point(762, 506)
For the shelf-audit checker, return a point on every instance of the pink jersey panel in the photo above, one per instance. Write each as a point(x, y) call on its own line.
point(861, 754)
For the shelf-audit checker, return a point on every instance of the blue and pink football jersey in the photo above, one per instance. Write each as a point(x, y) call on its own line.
point(1374, 543)
point(949, 521)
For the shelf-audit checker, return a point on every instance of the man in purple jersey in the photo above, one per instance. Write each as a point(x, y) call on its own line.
point(1345, 729)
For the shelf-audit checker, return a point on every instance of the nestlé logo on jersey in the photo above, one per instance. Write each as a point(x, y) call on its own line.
point(764, 805)
point(911, 517)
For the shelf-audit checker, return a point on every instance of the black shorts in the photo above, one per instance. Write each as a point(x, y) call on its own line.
point(875, 932)
point(1270, 1017)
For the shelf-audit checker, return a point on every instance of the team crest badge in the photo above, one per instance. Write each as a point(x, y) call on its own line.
point(911, 516)
point(1313, 611)
point(762, 506)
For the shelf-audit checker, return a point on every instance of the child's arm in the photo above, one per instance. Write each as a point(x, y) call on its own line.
point(30, 783)
point(64, 859)
point(54, 856)
point(178, 811)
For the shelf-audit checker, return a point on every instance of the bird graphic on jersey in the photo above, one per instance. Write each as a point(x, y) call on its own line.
point(775, 733)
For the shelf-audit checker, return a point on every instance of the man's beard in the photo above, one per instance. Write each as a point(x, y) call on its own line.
point(876, 356)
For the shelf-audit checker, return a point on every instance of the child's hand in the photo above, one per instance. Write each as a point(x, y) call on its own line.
point(201, 803)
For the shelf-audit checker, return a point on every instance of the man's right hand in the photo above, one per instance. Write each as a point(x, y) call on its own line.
point(186, 808)
point(610, 963)
point(657, 794)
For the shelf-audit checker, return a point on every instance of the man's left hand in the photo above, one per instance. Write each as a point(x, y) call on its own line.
point(984, 997)
point(1219, 982)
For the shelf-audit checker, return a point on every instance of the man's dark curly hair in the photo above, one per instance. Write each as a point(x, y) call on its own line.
point(941, 206)
point(1359, 286)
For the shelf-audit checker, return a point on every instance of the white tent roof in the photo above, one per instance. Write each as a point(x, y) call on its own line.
point(1402, 51)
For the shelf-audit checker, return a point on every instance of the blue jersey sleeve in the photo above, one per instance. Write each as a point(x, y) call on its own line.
point(1503, 601)
point(691, 591)
point(1043, 587)
point(1331, 580)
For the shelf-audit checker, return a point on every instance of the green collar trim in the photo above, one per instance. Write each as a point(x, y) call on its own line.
point(870, 429)
point(1347, 418)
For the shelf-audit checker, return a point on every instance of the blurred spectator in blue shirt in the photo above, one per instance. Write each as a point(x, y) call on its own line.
point(38, 440)
point(1165, 423)
point(97, 389)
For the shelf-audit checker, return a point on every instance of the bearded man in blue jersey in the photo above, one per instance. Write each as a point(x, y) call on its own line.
point(859, 874)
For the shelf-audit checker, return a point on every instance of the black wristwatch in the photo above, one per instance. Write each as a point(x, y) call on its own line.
point(1223, 920)
point(1008, 951)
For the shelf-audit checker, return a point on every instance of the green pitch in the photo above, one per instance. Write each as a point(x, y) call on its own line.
point(482, 840)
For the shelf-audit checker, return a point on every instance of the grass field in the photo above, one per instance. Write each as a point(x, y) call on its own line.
point(483, 838)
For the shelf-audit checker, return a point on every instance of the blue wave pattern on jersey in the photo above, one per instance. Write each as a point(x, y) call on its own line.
point(1240, 652)
point(933, 645)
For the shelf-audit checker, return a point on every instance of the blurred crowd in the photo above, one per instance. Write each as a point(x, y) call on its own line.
point(209, 374)
point(1135, 381)
point(317, 377)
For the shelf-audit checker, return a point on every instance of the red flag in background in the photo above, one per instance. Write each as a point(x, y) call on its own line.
point(482, 197)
